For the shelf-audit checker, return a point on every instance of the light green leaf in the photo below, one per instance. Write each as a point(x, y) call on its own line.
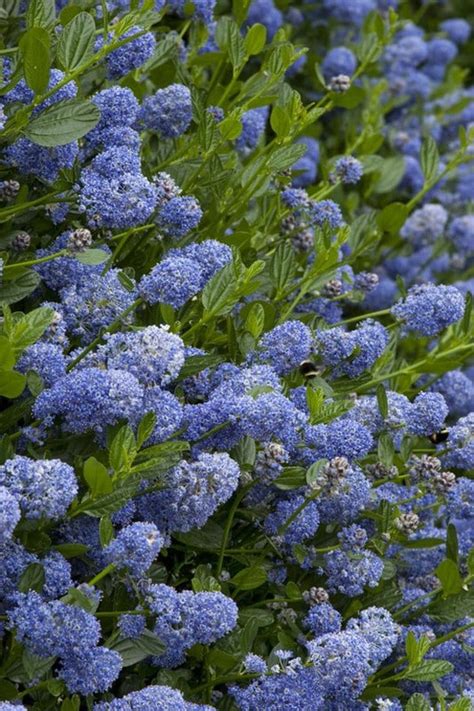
point(429, 670)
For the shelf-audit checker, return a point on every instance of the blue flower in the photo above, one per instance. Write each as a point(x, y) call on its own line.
point(135, 548)
point(430, 308)
point(44, 488)
point(131, 55)
point(169, 111)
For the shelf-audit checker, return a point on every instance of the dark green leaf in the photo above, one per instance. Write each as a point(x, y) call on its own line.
point(382, 400)
point(76, 41)
point(452, 546)
point(41, 13)
point(133, 651)
point(195, 364)
point(13, 291)
point(36, 667)
point(32, 578)
point(29, 328)
point(207, 538)
point(63, 122)
point(108, 503)
point(249, 578)
point(35, 51)
point(71, 550)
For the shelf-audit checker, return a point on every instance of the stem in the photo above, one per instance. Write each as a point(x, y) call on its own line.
point(8, 212)
point(31, 262)
point(103, 573)
point(360, 317)
point(297, 512)
point(233, 509)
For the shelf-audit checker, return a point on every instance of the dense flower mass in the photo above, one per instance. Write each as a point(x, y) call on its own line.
point(236, 355)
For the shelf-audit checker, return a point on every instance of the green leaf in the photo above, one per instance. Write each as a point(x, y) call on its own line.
point(32, 578)
point(240, 10)
point(429, 158)
point(34, 48)
point(109, 503)
point(12, 383)
point(220, 293)
point(207, 538)
point(429, 670)
point(106, 531)
point(392, 217)
point(145, 428)
point(255, 321)
point(448, 574)
point(454, 608)
point(452, 546)
point(392, 171)
point(280, 121)
point(198, 363)
point(63, 122)
point(123, 449)
point(255, 39)
point(36, 667)
point(245, 452)
point(76, 41)
point(382, 400)
point(18, 289)
point(203, 581)
point(92, 256)
point(8, 691)
point(29, 328)
point(133, 651)
point(97, 477)
point(291, 478)
point(7, 355)
point(283, 268)
point(416, 648)
point(41, 13)
point(283, 158)
point(72, 704)
point(386, 449)
point(462, 704)
point(249, 578)
point(71, 550)
point(470, 561)
point(418, 702)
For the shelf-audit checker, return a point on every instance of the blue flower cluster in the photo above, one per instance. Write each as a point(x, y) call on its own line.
point(242, 419)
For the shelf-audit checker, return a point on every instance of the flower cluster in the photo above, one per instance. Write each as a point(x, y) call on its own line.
point(237, 362)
